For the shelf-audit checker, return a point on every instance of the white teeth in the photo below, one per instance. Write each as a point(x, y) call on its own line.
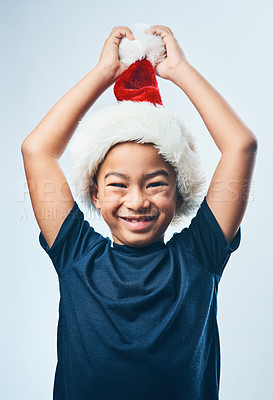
point(139, 219)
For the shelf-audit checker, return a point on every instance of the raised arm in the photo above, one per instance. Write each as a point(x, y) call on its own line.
point(228, 192)
point(49, 191)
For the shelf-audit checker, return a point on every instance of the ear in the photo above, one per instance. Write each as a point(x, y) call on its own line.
point(179, 201)
point(95, 196)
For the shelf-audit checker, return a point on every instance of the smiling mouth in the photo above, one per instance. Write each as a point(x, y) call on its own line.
point(139, 219)
point(139, 224)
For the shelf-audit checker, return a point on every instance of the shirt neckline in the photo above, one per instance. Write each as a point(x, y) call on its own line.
point(123, 248)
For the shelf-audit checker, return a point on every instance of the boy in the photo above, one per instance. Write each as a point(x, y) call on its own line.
point(138, 318)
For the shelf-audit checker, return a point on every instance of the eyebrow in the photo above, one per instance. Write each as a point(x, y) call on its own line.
point(162, 172)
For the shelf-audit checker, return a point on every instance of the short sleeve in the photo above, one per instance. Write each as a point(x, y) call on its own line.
point(205, 240)
point(74, 239)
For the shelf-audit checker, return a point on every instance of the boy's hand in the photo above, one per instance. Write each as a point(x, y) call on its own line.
point(109, 61)
point(175, 55)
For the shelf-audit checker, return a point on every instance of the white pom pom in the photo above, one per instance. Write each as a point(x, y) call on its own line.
point(143, 46)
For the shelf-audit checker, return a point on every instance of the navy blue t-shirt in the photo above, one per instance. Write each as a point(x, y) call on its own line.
point(138, 323)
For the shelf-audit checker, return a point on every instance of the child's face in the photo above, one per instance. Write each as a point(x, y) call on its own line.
point(136, 193)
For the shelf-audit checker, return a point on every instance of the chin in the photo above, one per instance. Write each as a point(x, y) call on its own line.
point(138, 241)
point(141, 243)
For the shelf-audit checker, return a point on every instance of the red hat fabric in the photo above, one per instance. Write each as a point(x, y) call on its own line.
point(138, 83)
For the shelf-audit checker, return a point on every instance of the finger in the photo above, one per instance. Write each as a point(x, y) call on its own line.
point(165, 35)
point(163, 27)
point(121, 31)
point(158, 29)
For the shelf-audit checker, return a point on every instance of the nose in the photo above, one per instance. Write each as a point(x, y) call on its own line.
point(137, 200)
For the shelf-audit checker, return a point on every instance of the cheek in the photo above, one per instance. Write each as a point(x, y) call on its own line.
point(169, 206)
point(165, 199)
point(110, 200)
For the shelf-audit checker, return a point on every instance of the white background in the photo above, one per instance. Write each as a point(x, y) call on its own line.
point(46, 47)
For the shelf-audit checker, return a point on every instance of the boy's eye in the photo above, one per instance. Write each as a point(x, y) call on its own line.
point(156, 184)
point(117, 185)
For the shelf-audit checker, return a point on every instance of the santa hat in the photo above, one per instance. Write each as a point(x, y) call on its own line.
point(138, 116)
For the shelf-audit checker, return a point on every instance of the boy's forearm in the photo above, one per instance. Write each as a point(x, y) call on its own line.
point(53, 133)
point(226, 129)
